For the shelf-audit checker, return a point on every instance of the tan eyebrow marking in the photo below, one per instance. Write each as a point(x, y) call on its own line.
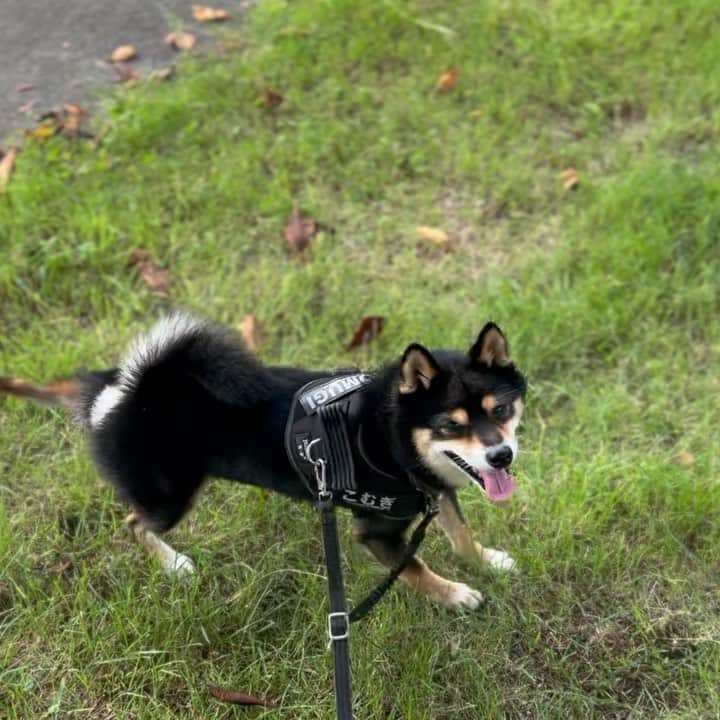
point(489, 402)
point(460, 415)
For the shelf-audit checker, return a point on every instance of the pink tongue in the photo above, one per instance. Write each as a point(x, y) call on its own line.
point(499, 484)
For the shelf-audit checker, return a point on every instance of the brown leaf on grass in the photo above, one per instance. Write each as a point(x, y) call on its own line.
point(7, 163)
point(368, 329)
point(73, 109)
point(684, 458)
point(43, 131)
point(299, 231)
point(123, 53)
point(448, 80)
point(164, 73)
point(180, 40)
point(437, 236)
point(126, 74)
point(67, 120)
point(271, 99)
point(60, 568)
point(202, 13)
point(250, 331)
point(570, 178)
point(240, 698)
point(157, 279)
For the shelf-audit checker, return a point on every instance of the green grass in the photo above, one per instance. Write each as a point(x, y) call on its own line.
point(609, 296)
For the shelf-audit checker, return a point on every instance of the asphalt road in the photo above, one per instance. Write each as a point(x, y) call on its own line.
point(53, 51)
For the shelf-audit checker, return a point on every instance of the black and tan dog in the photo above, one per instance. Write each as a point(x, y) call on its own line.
point(189, 401)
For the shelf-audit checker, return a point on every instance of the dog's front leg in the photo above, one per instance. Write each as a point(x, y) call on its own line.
point(389, 550)
point(453, 523)
point(172, 562)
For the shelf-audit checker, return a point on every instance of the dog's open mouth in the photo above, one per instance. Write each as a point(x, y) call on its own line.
point(498, 484)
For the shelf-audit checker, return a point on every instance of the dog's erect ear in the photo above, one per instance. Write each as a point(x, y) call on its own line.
point(491, 347)
point(417, 369)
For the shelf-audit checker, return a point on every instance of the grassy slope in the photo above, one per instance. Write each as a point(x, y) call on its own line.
point(609, 296)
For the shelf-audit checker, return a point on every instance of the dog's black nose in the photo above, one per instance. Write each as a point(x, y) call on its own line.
point(500, 458)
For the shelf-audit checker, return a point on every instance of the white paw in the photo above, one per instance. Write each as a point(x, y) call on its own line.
point(178, 564)
point(500, 560)
point(461, 595)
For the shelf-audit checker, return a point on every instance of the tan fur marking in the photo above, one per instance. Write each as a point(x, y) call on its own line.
point(507, 430)
point(422, 439)
point(457, 531)
point(488, 403)
point(417, 574)
point(421, 579)
point(460, 415)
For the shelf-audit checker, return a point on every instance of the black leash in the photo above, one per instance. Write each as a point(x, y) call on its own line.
point(339, 619)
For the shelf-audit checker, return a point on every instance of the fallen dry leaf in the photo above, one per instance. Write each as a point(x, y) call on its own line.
point(7, 163)
point(29, 105)
point(271, 99)
point(435, 235)
point(72, 109)
point(126, 74)
point(180, 40)
point(164, 73)
point(157, 279)
point(67, 120)
point(368, 329)
point(240, 698)
point(684, 458)
point(448, 80)
point(43, 131)
point(570, 178)
point(123, 53)
point(202, 13)
point(250, 331)
point(60, 568)
point(299, 231)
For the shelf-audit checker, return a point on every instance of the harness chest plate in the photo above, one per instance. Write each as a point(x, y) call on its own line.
point(323, 428)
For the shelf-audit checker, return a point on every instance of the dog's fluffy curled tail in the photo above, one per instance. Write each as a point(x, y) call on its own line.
point(154, 420)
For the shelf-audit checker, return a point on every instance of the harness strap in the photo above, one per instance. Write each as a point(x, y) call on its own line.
point(362, 609)
point(338, 622)
point(338, 446)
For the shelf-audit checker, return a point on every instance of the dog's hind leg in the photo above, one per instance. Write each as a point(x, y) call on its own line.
point(172, 562)
point(453, 523)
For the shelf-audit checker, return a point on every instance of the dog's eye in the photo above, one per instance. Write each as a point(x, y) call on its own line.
point(501, 412)
point(450, 427)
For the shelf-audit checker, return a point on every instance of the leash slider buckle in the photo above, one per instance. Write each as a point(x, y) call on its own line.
point(344, 632)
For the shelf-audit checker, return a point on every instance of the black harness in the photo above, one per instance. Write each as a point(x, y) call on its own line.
point(324, 443)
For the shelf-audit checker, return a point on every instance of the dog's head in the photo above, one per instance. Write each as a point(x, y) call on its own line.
point(459, 413)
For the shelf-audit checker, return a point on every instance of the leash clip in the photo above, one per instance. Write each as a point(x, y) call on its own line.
point(319, 465)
